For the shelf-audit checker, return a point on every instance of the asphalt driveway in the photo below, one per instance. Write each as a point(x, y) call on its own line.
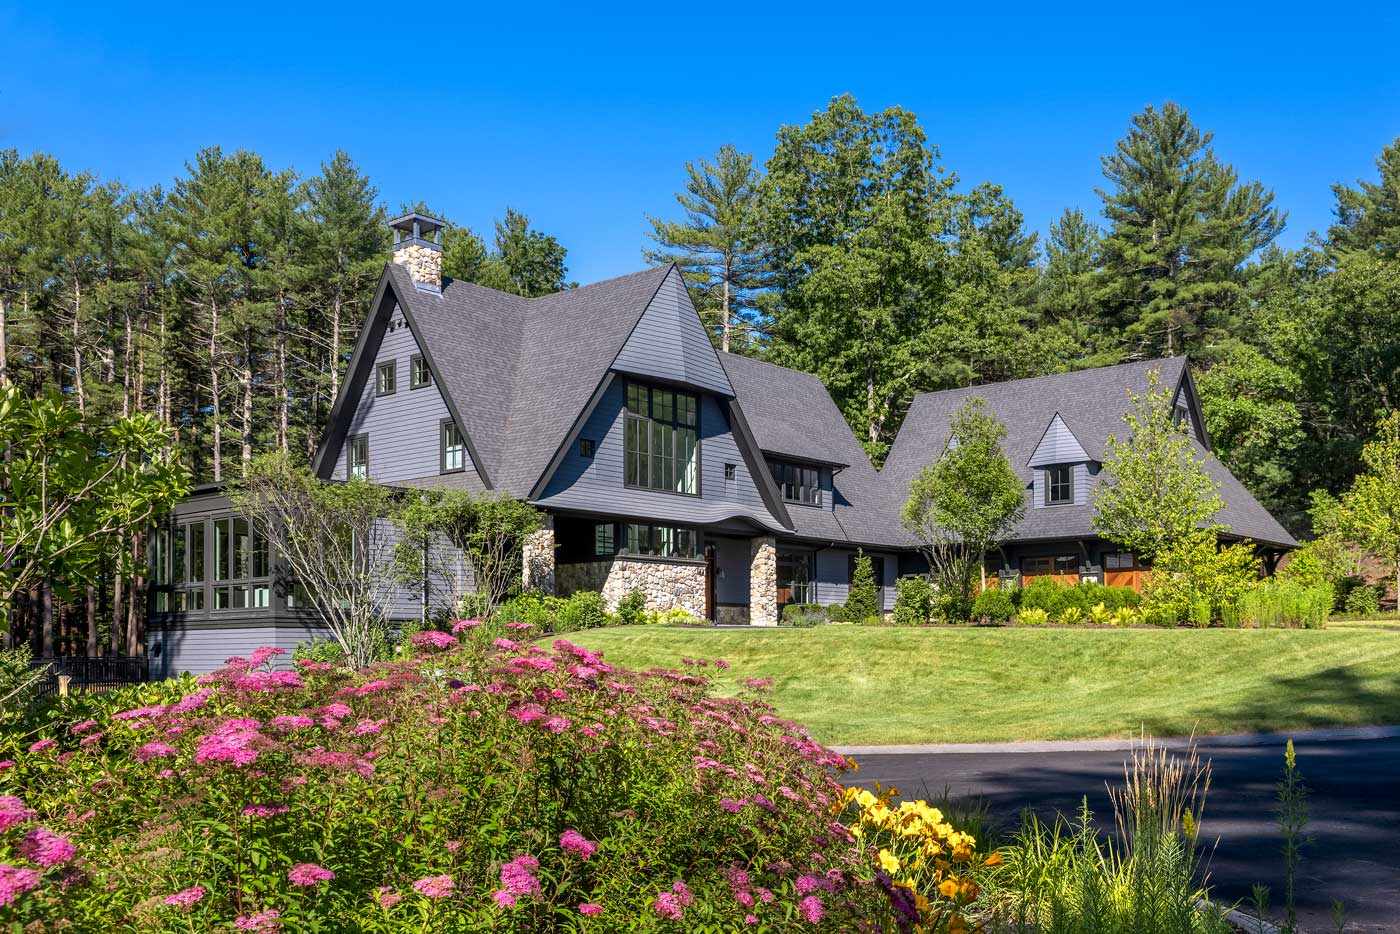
point(1354, 805)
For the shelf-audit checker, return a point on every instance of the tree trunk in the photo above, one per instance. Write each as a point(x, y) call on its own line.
point(118, 588)
point(135, 605)
point(724, 328)
point(335, 347)
point(215, 414)
point(91, 621)
point(46, 613)
point(245, 381)
point(78, 348)
point(284, 396)
point(4, 352)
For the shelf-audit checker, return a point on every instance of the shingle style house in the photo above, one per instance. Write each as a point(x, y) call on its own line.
point(720, 484)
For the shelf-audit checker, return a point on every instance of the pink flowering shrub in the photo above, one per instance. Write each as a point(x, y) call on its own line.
point(485, 785)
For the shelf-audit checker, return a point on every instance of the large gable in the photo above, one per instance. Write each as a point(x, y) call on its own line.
point(670, 343)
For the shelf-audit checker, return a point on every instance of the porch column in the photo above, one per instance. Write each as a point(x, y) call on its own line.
point(763, 581)
point(537, 568)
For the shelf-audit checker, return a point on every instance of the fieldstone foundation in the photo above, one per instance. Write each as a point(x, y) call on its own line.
point(763, 581)
point(732, 615)
point(666, 584)
point(537, 569)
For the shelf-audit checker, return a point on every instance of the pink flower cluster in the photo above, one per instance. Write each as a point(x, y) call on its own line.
point(264, 922)
point(13, 811)
point(575, 842)
point(186, 899)
point(462, 625)
point(307, 874)
point(155, 749)
point(47, 848)
point(434, 887)
point(265, 810)
point(14, 882)
point(433, 639)
point(517, 880)
point(671, 905)
point(230, 742)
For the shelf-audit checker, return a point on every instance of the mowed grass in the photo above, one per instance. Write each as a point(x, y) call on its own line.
point(854, 685)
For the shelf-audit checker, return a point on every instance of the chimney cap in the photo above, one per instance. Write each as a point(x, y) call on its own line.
point(415, 226)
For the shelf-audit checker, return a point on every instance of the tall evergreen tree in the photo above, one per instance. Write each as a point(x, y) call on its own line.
point(714, 245)
point(1065, 299)
point(855, 208)
point(1368, 216)
point(524, 261)
point(1181, 225)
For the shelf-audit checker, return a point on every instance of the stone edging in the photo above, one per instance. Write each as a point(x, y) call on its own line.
point(1110, 745)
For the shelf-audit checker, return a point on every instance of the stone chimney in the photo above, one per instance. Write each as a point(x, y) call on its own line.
point(418, 247)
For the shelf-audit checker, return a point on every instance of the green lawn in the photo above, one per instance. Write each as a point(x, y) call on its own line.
point(855, 685)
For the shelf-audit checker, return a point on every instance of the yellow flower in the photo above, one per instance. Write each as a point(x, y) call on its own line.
point(889, 862)
point(993, 860)
point(948, 888)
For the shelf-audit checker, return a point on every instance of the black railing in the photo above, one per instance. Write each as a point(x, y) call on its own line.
point(90, 675)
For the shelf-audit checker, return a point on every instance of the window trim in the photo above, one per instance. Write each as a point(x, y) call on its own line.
point(818, 499)
point(587, 448)
point(414, 363)
point(620, 544)
point(393, 367)
point(611, 539)
point(350, 455)
point(649, 420)
point(442, 446)
point(1068, 498)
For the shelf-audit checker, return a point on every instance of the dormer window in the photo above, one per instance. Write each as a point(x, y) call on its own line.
point(798, 484)
point(1059, 485)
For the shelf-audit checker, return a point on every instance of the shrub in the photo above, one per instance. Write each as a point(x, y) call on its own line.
point(532, 608)
point(864, 599)
point(1032, 616)
point(1041, 593)
point(836, 613)
point(1284, 604)
point(675, 616)
point(632, 609)
point(1070, 616)
point(472, 606)
point(482, 785)
point(1101, 615)
point(585, 609)
point(994, 605)
point(913, 601)
point(318, 649)
point(1363, 600)
point(803, 615)
point(1197, 580)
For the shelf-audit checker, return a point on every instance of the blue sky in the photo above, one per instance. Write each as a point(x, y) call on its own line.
point(583, 118)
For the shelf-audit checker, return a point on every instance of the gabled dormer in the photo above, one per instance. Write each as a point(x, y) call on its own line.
point(1060, 468)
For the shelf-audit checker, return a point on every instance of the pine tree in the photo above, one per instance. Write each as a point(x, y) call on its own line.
point(715, 247)
point(1181, 224)
point(1065, 293)
point(1368, 216)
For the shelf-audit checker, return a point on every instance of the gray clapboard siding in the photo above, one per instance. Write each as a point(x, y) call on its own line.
point(669, 342)
point(403, 428)
point(598, 484)
point(204, 646)
point(1058, 446)
point(833, 576)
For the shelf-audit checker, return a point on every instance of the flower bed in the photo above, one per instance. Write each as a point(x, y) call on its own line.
point(484, 784)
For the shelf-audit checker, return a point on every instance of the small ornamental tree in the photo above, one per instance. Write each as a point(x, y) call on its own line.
point(490, 531)
point(965, 504)
point(863, 602)
point(1371, 508)
point(71, 492)
point(338, 541)
point(1155, 492)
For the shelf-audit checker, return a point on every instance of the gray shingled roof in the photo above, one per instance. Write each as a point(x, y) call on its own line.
point(518, 407)
point(791, 414)
point(1091, 403)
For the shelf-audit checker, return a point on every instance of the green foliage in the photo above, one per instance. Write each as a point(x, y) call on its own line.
point(472, 605)
point(524, 261)
point(1180, 227)
point(1281, 604)
point(863, 600)
point(994, 605)
point(1370, 510)
point(803, 615)
point(585, 609)
point(74, 492)
point(913, 601)
point(1362, 601)
point(1032, 616)
point(316, 649)
point(715, 247)
point(965, 504)
point(1367, 219)
point(632, 608)
point(1154, 491)
point(675, 616)
point(1199, 581)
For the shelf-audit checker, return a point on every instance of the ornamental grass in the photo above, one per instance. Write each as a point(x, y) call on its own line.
point(483, 784)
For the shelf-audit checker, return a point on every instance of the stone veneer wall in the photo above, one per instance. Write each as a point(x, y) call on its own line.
point(537, 566)
point(763, 581)
point(666, 584)
point(424, 263)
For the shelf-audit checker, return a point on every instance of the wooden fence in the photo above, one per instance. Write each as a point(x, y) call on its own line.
point(90, 675)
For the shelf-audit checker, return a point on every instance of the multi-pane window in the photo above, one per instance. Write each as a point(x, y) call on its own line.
point(661, 541)
point(387, 380)
point(418, 373)
point(358, 457)
point(1120, 561)
point(662, 446)
point(1060, 565)
point(798, 484)
point(586, 448)
point(242, 568)
point(1059, 485)
point(603, 539)
point(454, 447)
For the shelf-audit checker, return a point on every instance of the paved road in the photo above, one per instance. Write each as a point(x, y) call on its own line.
point(1354, 804)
